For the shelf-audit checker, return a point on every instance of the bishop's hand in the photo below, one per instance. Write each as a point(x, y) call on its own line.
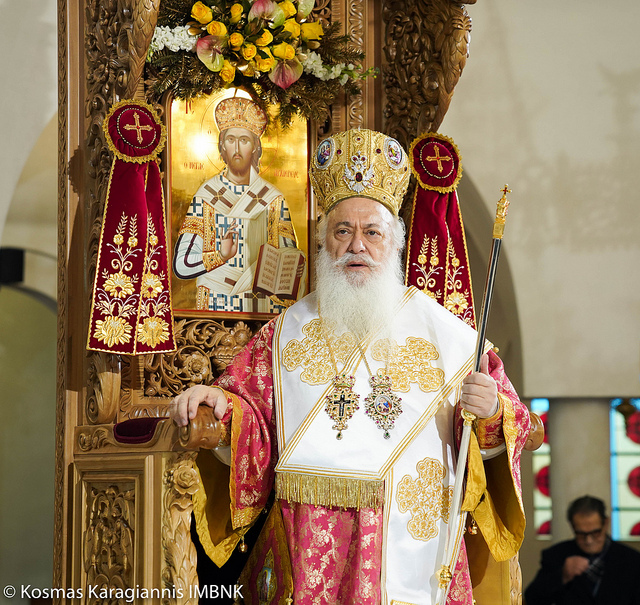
point(480, 392)
point(229, 242)
point(184, 407)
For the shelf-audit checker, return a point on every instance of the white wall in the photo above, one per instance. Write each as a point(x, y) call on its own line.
point(28, 71)
point(549, 103)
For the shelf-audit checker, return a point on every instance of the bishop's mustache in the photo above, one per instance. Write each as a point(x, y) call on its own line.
point(363, 259)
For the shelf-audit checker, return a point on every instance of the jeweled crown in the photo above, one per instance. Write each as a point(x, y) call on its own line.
point(360, 163)
point(239, 112)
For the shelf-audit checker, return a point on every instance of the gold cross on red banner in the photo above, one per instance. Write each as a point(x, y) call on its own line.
point(438, 158)
point(137, 126)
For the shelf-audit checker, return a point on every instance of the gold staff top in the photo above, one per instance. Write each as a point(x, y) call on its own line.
point(501, 214)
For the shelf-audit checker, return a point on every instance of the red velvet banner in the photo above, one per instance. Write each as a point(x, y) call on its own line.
point(437, 259)
point(131, 311)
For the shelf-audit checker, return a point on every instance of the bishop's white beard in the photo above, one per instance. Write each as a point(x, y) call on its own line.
point(359, 303)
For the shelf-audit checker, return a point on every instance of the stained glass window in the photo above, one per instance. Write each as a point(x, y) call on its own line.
point(541, 466)
point(625, 469)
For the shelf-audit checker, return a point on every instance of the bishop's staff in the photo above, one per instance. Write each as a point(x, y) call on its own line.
point(445, 574)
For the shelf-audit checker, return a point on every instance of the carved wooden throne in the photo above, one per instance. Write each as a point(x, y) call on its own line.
point(123, 501)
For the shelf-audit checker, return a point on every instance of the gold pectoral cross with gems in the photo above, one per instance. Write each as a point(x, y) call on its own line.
point(341, 402)
point(137, 126)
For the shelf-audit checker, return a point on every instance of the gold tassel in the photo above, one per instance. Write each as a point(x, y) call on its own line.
point(330, 491)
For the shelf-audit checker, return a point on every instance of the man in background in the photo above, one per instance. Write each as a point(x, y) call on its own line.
point(591, 569)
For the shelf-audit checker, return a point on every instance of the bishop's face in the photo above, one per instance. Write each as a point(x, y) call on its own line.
point(359, 232)
point(237, 148)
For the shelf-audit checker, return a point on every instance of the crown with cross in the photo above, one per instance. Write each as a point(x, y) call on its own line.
point(360, 163)
point(240, 112)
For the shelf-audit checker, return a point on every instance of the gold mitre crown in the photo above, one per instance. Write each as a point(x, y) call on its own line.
point(360, 163)
point(239, 112)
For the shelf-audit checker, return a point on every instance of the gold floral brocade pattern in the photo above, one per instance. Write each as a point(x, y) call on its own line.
point(320, 350)
point(314, 355)
point(426, 498)
point(410, 363)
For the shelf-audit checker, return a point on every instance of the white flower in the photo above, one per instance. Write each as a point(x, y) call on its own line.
point(313, 65)
point(175, 39)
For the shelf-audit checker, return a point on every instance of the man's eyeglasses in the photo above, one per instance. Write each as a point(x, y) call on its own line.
point(588, 534)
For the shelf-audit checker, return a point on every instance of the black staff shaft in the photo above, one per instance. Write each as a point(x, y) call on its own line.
point(486, 301)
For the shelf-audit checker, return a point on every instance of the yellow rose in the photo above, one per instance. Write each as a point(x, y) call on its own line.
point(265, 63)
point(249, 51)
point(228, 72)
point(217, 28)
point(265, 39)
point(284, 51)
point(201, 12)
point(288, 8)
point(293, 27)
point(236, 40)
point(236, 13)
point(311, 31)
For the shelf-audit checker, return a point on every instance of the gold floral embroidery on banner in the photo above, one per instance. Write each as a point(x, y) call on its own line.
point(410, 363)
point(426, 498)
point(313, 355)
point(428, 265)
point(117, 301)
point(457, 300)
point(155, 304)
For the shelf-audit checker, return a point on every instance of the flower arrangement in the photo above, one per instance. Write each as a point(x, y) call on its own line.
point(274, 50)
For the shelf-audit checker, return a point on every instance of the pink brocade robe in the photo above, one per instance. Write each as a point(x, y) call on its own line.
point(335, 553)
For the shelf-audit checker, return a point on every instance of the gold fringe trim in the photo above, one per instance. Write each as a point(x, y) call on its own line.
point(343, 492)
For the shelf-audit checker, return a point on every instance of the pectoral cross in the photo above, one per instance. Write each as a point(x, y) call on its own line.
point(342, 403)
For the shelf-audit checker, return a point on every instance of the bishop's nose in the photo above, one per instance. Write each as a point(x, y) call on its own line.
point(356, 245)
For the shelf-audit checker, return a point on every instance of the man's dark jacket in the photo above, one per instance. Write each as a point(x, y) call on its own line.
point(620, 583)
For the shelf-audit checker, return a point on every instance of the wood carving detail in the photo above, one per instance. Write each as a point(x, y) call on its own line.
point(140, 32)
point(356, 29)
point(94, 439)
point(63, 211)
point(103, 393)
point(179, 572)
point(322, 11)
point(205, 348)
point(109, 539)
point(426, 46)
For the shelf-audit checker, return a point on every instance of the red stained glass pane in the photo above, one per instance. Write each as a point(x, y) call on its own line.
point(542, 480)
point(633, 481)
point(633, 427)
